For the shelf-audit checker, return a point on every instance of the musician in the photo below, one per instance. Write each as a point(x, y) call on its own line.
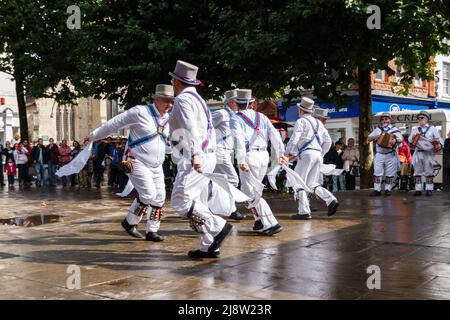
point(386, 162)
point(426, 141)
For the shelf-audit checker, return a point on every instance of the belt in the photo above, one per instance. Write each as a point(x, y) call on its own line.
point(424, 150)
point(312, 149)
point(258, 149)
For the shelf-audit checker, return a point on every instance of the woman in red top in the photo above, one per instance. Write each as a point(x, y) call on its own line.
point(404, 153)
point(64, 158)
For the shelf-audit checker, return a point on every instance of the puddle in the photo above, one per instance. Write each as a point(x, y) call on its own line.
point(32, 220)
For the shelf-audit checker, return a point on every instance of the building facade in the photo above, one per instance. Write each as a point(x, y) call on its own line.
point(9, 113)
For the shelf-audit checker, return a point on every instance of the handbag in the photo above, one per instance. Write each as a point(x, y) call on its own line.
point(354, 171)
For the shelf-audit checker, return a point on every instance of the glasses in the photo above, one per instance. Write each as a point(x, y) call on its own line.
point(384, 119)
point(420, 118)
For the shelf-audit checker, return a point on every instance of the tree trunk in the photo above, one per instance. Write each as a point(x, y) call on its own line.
point(20, 92)
point(365, 115)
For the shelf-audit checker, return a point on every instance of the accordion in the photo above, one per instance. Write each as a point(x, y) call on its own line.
point(127, 166)
point(415, 139)
point(385, 140)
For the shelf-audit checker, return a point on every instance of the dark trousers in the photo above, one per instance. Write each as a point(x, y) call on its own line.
point(23, 173)
point(113, 176)
point(1, 172)
point(98, 172)
point(350, 182)
point(11, 180)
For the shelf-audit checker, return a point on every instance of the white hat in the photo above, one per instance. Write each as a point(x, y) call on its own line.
point(230, 95)
point(321, 113)
point(425, 114)
point(306, 105)
point(163, 91)
point(186, 72)
point(386, 115)
point(244, 96)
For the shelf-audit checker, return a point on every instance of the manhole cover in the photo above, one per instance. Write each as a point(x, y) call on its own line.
point(31, 220)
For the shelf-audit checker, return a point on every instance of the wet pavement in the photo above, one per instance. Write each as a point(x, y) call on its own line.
point(45, 232)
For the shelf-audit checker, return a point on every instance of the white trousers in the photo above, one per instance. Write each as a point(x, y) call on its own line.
point(308, 168)
point(186, 202)
point(258, 161)
point(423, 168)
point(149, 184)
point(219, 203)
point(385, 165)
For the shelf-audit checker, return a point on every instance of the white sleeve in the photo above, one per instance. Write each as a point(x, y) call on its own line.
point(291, 147)
point(239, 139)
point(436, 136)
point(374, 134)
point(275, 138)
point(183, 112)
point(327, 142)
point(125, 119)
point(219, 116)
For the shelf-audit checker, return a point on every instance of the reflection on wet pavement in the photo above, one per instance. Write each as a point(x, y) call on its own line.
point(408, 238)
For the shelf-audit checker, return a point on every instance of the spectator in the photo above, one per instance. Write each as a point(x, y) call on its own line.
point(2, 182)
point(446, 164)
point(16, 139)
point(8, 152)
point(11, 171)
point(38, 158)
point(52, 151)
point(73, 154)
point(404, 154)
point(114, 166)
point(351, 164)
point(100, 152)
point(334, 156)
point(85, 175)
point(21, 160)
point(64, 158)
point(28, 166)
point(122, 178)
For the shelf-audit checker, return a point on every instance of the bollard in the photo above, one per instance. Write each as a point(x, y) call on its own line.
point(446, 166)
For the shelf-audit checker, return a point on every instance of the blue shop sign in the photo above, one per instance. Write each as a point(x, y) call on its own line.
point(392, 104)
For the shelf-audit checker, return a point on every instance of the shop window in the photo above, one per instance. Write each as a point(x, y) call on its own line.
point(446, 79)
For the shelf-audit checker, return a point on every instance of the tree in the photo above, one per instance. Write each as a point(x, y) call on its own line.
point(36, 51)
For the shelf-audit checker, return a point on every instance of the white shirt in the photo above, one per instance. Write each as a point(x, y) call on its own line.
point(390, 129)
point(189, 123)
point(140, 121)
point(304, 132)
point(425, 142)
point(221, 120)
point(245, 134)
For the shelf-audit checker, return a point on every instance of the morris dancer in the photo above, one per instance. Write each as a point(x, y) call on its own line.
point(147, 142)
point(309, 143)
point(253, 131)
point(192, 134)
point(386, 160)
point(219, 203)
point(426, 140)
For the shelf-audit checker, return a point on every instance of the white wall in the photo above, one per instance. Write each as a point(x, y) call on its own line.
point(10, 121)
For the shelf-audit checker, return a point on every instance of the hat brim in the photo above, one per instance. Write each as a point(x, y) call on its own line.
point(304, 109)
point(192, 82)
point(243, 101)
point(162, 95)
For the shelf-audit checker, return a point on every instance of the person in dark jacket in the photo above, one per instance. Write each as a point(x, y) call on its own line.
point(2, 183)
point(52, 151)
point(38, 158)
point(334, 156)
point(446, 164)
point(75, 151)
point(101, 149)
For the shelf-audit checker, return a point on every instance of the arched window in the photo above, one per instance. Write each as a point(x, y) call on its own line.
point(58, 124)
point(72, 123)
point(66, 123)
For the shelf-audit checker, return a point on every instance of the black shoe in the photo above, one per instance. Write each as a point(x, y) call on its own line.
point(313, 209)
point(418, 193)
point(375, 194)
point(131, 230)
point(305, 216)
point(226, 231)
point(258, 225)
point(332, 207)
point(153, 236)
point(428, 193)
point(272, 230)
point(197, 254)
point(236, 216)
point(387, 193)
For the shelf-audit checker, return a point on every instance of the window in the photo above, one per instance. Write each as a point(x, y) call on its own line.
point(72, 123)
point(380, 75)
point(446, 79)
point(65, 123)
point(58, 124)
